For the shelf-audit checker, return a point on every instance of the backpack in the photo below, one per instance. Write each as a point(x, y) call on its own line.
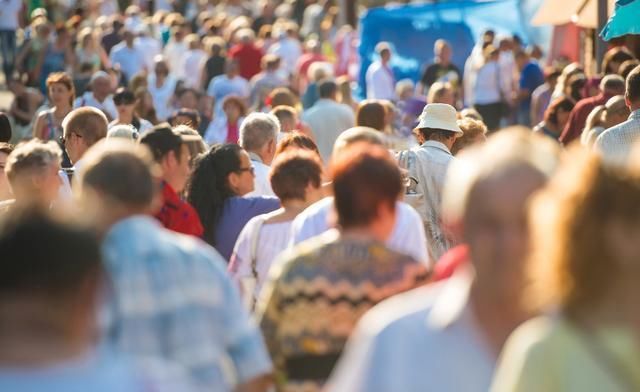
point(414, 193)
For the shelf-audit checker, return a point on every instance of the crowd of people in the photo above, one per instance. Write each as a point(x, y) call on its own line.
point(194, 198)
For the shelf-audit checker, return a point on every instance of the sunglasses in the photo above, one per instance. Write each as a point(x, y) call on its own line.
point(250, 169)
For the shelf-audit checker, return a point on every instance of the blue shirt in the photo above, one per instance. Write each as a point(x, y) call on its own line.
point(103, 372)
point(237, 211)
point(172, 298)
point(531, 77)
point(131, 60)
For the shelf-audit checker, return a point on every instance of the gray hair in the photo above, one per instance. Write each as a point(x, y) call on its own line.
point(357, 134)
point(125, 131)
point(504, 152)
point(258, 129)
point(31, 157)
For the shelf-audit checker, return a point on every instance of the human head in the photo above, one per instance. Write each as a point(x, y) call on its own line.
point(224, 171)
point(128, 37)
point(231, 68)
point(270, 62)
point(632, 94)
point(193, 41)
point(100, 85)
point(124, 101)
point(591, 208)
point(371, 113)
point(54, 285)
point(161, 67)
point(484, 204)
point(124, 131)
point(82, 128)
point(405, 89)
point(383, 49)
point(189, 117)
point(234, 108)
point(282, 96)
point(575, 86)
point(474, 132)
point(616, 111)
point(119, 179)
point(287, 116)
point(472, 114)
point(320, 70)
point(60, 88)
point(612, 85)
point(490, 53)
point(441, 92)
point(297, 175)
point(366, 186)
point(557, 114)
point(296, 141)
point(32, 170)
point(328, 89)
point(258, 134)
point(5, 190)
point(188, 98)
point(193, 140)
point(5, 128)
point(442, 51)
point(522, 58)
point(613, 58)
point(356, 135)
point(626, 67)
point(170, 151)
point(551, 76)
point(438, 122)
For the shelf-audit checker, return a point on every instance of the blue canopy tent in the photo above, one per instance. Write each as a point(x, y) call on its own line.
point(412, 30)
point(625, 20)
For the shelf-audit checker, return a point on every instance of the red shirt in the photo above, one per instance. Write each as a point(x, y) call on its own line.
point(248, 57)
point(232, 133)
point(578, 117)
point(450, 262)
point(305, 62)
point(178, 215)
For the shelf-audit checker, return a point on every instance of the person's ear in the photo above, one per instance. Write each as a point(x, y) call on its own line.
point(234, 181)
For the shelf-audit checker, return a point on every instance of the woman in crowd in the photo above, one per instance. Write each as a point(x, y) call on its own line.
point(488, 92)
point(474, 132)
point(589, 341)
point(296, 141)
point(555, 118)
point(563, 80)
point(373, 114)
point(316, 294)
point(56, 57)
point(125, 104)
point(603, 117)
point(344, 89)
point(25, 104)
point(144, 105)
point(296, 179)
point(227, 129)
point(440, 92)
point(220, 178)
point(162, 86)
point(48, 124)
point(89, 51)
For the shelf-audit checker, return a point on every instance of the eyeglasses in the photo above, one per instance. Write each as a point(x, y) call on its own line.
point(119, 102)
point(63, 140)
point(250, 169)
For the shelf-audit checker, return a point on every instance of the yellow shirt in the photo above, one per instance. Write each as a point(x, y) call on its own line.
point(550, 354)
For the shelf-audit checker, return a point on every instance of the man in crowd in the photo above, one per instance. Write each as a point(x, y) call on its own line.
point(258, 136)
point(447, 337)
point(408, 235)
point(288, 48)
point(615, 143)
point(100, 96)
point(610, 86)
point(231, 83)
point(170, 296)
point(32, 171)
point(48, 314)
point(247, 54)
point(380, 79)
point(530, 78)
point(82, 128)
point(171, 152)
point(9, 23)
point(267, 80)
point(328, 118)
point(541, 96)
point(442, 69)
point(127, 56)
point(437, 130)
point(287, 117)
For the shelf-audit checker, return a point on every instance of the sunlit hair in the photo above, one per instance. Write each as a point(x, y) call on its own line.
point(472, 130)
point(572, 264)
point(32, 157)
point(292, 172)
point(64, 79)
point(298, 141)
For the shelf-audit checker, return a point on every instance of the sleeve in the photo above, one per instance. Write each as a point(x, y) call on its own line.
point(428, 76)
point(414, 238)
point(239, 265)
point(567, 134)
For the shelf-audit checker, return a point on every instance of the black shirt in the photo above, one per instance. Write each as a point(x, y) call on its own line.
point(213, 67)
point(436, 71)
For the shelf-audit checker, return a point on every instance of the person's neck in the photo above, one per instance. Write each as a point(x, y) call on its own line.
point(362, 234)
point(496, 315)
point(62, 109)
point(32, 335)
point(100, 98)
point(442, 62)
point(293, 207)
point(125, 119)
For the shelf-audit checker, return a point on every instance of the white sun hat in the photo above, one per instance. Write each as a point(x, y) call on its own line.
point(439, 116)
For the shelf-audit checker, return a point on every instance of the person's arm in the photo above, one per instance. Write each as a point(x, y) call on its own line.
point(104, 59)
point(15, 111)
point(37, 126)
point(19, 61)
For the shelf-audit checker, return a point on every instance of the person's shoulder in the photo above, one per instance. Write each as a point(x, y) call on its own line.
point(540, 335)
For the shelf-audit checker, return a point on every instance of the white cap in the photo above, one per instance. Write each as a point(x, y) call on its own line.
point(439, 116)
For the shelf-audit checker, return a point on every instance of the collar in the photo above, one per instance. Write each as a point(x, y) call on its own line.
point(635, 115)
point(169, 194)
point(452, 303)
point(254, 157)
point(132, 223)
point(436, 144)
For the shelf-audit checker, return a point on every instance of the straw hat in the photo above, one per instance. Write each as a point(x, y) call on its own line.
point(439, 116)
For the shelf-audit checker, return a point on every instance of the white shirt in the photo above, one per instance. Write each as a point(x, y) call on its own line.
point(380, 82)
point(423, 340)
point(222, 86)
point(616, 143)
point(262, 186)
point(194, 61)
point(150, 47)
point(130, 60)
point(289, 50)
point(217, 130)
point(175, 52)
point(408, 235)
point(487, 85)
point(107, 106)
point(162, 95)
point(327, 120)
point(273, 239)
point(9, 14)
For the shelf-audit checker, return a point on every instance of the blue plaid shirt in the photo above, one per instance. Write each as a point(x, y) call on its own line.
point(171, 298)
point(615, 143)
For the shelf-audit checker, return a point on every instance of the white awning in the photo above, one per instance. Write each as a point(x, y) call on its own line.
point(584, 13)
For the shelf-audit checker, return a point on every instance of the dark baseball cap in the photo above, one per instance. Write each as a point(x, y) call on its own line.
point(161, 139)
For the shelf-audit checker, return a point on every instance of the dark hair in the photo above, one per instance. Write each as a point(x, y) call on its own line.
point(633, 85)
point(192, 115)
point(296, 139)
point(284, 113)
point(161, 140)
point(5, 128)
point(292, 172)
point(6, 148)
point(430, 133)
point(576, 86)
point(371, 113)
point(363, 178)
point(208, 188)
point(327, 89)
point(186, 90)
point(65, 257)
point(235, 100)
point(626, 67)
point(615, 55)
point(124, 96)
point(551, 114)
